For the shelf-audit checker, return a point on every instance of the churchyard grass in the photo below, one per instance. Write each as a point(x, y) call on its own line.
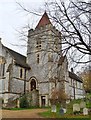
point(49, 114)
point(69, 113)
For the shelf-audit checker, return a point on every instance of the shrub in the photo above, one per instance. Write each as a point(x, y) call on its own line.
point(24, 102)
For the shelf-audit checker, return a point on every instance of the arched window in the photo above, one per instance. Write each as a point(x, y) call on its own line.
point(2, 66)
point(33, 84)
point(21, 72)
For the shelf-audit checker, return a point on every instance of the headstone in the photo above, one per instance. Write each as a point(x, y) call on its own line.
point(85, 111)
point(82, 104)
point(53, 108)
point(64, 110)
point(61, 111)
point(68, 101)
point(76, 107)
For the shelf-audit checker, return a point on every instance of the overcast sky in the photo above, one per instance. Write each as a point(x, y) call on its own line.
point(13, 19)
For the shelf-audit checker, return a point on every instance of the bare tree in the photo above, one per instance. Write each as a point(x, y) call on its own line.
point(86, 76)
point(74, 21)
point(58, 96)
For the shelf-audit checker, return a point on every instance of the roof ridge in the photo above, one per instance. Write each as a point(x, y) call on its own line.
point(19, 58)
point(76, 77)
point(14, 51)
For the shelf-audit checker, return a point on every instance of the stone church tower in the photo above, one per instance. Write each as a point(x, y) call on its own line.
point(38, 74)
point(43, 56)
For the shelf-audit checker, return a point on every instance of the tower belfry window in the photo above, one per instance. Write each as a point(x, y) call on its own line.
point(38, 44)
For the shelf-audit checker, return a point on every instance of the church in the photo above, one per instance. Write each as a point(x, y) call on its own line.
point(44, 69)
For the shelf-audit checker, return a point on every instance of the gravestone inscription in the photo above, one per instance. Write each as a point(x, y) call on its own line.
point(61, 111)
point(82, 104)
point(76, 107)
point(85, 111)
point(53, 108)
point(64, 110)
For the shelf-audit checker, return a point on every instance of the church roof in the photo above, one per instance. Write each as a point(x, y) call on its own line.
point(19, 59)
point(43, 21)
point(74, 76)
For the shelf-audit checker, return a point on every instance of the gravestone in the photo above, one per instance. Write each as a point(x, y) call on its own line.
point(53, 108)
point(68, 101)
point(85, 111)
point(89, 111)
point(82, 104)
point(64, 110)
point(76, 107)
point(61, 111)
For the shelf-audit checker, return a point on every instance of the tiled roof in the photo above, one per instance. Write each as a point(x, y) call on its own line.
point(43, 21)
point(19, 59)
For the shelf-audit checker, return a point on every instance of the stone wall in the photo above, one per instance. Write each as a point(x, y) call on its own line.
point(35, 98)
point(45, 69)
point(11, 82)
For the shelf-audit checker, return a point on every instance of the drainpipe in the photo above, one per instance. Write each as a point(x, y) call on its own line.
point(74, 90)
point(73, 83)
point(25, 81)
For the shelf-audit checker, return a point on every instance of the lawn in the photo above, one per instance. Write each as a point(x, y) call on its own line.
point(69, 113)
point(49, 114)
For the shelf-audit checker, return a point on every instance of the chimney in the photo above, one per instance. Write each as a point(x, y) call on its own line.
point(72, 70)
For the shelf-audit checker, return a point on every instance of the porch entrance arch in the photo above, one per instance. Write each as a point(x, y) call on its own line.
point(33, 84)
point(34, 92)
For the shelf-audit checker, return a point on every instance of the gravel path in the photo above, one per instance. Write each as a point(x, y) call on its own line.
point(31, 113)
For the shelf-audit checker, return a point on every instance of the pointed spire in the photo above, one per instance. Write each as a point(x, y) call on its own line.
point(43, 21)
